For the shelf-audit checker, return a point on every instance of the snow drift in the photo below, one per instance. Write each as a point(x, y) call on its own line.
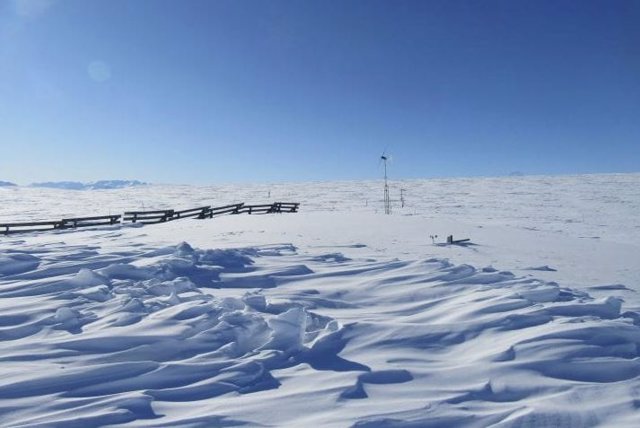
point(156, 335)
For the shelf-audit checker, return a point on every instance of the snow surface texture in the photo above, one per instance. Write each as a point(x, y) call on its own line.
point(324, 318)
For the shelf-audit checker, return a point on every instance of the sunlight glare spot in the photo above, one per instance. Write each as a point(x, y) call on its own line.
point(99, 71)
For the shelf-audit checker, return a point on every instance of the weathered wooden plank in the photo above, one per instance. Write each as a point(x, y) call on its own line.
point(9, 231)
point(28, 226)
point(226, 209)
point(191, 212)
point(100, 217)
point(147, 216)
point(178, 216)
point(148, 220)
point(31, 223)
point(288, 206)
point(257, 209)
point(88, 224)
point(193, 209)
point(148, 212)
point(142, 216)
point(75, 222)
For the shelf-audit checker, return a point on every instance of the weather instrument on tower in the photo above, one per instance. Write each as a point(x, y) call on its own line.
point(387, 201)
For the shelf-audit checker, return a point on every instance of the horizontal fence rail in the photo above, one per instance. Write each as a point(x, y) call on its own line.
point(33, 226)
point(147, 217)
point(101, 220)
point(256, 209)
point(287, 207)
point(227, 209)
point(193, 212)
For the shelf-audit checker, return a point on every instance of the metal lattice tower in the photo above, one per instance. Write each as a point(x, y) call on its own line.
point(387, 200)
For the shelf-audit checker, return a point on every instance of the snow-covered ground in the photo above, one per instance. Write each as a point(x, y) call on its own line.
point(334, 316)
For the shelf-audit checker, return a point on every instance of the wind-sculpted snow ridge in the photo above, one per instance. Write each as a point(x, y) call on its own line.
point(178, 336)
point(109, 339)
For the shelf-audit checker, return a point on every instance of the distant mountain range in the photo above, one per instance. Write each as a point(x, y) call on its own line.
point(94, 185)
point(7, 184)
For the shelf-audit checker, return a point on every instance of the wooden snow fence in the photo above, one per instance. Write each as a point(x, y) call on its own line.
point(32, 226)
point(101, 220)
point(227, 209)
point(276, 207)
point(257, 209)
point(148, 217)
point(287, 207)
point(65, 223)
point(192, 212)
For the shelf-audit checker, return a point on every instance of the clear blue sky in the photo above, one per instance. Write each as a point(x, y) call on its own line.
point(220, 91)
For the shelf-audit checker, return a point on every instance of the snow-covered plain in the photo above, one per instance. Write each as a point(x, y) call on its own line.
point(334, 316)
